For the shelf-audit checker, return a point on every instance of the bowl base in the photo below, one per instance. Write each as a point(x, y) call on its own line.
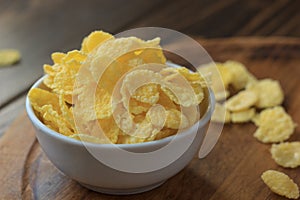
point(122, 191)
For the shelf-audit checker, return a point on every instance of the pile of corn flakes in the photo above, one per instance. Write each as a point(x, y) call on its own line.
point(118, 90)
point(258, 101)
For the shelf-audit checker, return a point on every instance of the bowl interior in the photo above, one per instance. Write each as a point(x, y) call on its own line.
point(205, 107)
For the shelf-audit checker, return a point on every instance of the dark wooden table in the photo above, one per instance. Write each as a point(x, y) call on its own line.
point(37, 28)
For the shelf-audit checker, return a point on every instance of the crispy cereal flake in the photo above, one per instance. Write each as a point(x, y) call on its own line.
point(118, 90)
point(286, 154)
point(268, 91)
point(280, 184)
point(242, 116)
point(243, 100)
point(240, 74)
point(275, 125)
point(86, 138)
point(9, 57)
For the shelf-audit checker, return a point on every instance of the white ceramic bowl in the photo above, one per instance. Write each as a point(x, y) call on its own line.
point(73, 159)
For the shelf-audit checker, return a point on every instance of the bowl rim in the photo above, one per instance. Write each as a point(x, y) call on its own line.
point(58, 136)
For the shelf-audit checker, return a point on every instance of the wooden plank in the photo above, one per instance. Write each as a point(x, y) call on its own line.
point(231, 171)
point(38, 28)
point(10, 112)
point(15, 146)
point(211, 19)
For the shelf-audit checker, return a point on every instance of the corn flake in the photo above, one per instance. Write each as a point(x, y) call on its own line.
point(39, 97)
point(180, 91)
point(136, 87)
point(86, 138)
point(54, 120)
point(165, 132)
point(157, 116)
point(93, 103)
point(115, 55)
point(280, 184)
point(137, 107)
point(151, 101)
point(9, 57)
point(93, 40)
point(286, 154)
point(147, 94)
point(242, 116)
point(240, 74)
point(255, 119)
point(275, 125)
point(268, 91)
point(176, 120)
point(243, 100)
point(218, 76)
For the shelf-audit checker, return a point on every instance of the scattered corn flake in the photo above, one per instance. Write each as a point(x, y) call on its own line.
point(214, 78)
point(221, 114)
point(225, 73)
point(243, 100)
point(255, 119)
point(286, 154)
point(242, 116)
point(280, 184)
point(275, 125)
point(240, 74)
point(268, 91)
point(9, 57)
point(221, 95)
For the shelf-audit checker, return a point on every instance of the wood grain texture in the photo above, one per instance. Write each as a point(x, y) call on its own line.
point(10, 112)
point(231, 171)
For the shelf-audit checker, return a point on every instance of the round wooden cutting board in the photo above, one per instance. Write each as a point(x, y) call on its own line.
point(231, 171)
